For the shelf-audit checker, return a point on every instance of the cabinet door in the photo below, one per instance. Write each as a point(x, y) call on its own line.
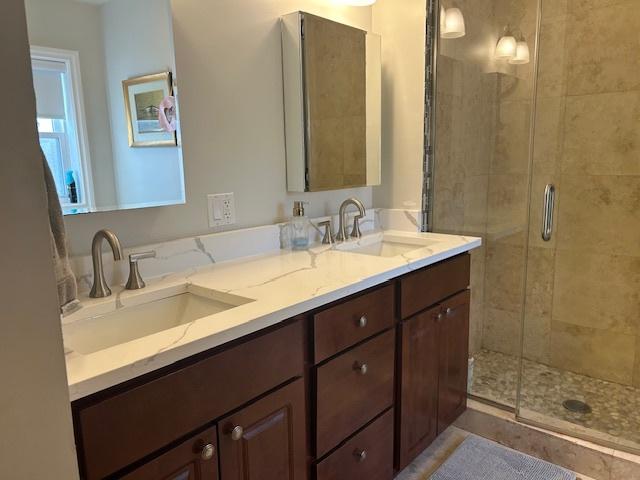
point(268, 439)
point(417, 426)
point(194, 459)
point(454, 357)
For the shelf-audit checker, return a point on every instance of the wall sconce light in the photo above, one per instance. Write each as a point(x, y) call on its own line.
point(515, 51)
point(452, 23)
point(507, 46)
point(522, 56)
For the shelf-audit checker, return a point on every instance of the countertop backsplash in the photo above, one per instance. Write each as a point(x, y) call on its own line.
point(192, 253)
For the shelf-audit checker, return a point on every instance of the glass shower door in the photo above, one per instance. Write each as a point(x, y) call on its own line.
point(580, 370)
point(481, 176)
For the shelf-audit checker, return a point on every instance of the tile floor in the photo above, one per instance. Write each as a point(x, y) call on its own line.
point(615, 415)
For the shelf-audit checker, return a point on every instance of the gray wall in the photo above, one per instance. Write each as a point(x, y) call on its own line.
point(36, 438)
point(402, 26)
point(138, 41)
point(229, 74)
point(72, 25)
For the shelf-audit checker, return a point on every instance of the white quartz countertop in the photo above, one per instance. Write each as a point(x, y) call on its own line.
point(280, 285)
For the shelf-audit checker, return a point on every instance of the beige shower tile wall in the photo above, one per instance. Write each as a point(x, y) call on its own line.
point(583, 313)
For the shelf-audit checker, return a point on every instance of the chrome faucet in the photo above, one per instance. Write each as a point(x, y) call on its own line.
point(100, 288)
point(355, 232)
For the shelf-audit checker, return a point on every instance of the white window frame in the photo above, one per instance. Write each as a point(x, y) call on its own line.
point(75, 115)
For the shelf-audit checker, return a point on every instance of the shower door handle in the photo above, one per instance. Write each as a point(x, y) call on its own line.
point(547, 212)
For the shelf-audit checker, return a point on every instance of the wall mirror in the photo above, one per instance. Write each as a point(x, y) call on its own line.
point(332, 94)
point(105, 85)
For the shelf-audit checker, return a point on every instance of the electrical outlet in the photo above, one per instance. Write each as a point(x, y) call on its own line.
point(222, 209)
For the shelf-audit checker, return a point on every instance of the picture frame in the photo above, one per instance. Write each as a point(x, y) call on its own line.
point(142, 97)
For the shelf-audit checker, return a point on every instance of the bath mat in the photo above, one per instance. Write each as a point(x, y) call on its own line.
point(480, 459)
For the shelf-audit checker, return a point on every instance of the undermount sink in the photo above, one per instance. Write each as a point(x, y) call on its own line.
point(98, 332)
point(386, 245)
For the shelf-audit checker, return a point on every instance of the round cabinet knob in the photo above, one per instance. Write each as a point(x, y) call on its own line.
point(362, 322)
point(207, 452)
point(362, 368)
point(449, 311)
point(236, 433)
point(361, 455)
point(439, 317)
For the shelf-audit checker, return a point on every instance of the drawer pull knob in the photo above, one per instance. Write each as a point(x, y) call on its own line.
point(361, 455)
point(207, 452)
point(439, 317)
point(362, 368)
point(362, 322)
point(236, 433)
point(449, 311)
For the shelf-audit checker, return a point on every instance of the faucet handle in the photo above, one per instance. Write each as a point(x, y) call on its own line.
point(134, 257)
point(355, 232)
point(328, 237)
point(135, 281)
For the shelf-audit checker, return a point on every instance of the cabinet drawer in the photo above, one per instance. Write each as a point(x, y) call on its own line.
point(426, 287)
point(368, 455)
point(349, 396)
point(343, 325)
point(194, 459)
point(121, 429)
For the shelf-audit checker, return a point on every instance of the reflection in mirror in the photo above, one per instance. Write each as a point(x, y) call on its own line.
point(332, 89)
point(104, 79)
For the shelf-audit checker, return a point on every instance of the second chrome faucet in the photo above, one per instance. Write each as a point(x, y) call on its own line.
point(342, 230)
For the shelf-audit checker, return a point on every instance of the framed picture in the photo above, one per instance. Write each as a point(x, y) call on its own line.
point(143, 98)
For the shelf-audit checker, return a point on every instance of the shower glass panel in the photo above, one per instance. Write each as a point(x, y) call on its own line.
point(481, 176)
point(581, 330)
point(542, 160)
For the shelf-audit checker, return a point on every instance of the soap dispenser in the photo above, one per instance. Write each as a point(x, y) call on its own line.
point(299, 227)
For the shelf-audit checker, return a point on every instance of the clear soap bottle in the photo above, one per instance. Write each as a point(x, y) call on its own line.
point(299, 227)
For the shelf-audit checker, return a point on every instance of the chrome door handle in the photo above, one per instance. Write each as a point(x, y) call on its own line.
point(236, 433)
point(361, 368)
point(361, 455)
point(547, 212)
point(207, 452)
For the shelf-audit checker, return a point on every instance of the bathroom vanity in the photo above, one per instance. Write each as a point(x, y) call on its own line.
point(349, 385)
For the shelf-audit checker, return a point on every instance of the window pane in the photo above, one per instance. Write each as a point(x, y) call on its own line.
point(45, 125)
point(52, 149)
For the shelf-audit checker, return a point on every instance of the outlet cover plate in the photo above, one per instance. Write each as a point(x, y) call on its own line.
point(221, 209)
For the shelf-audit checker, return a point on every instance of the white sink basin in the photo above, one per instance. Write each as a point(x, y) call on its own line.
point(98, 332)
point(386, 245)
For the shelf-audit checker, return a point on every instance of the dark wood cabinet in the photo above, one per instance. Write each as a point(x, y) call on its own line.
point(266, 440)
point(341, 326)
point(130, 424)
point(453, 337)
point(194, 459)
point(418, 368)
point(367, 455)
point(433, 365)
point(354, 389)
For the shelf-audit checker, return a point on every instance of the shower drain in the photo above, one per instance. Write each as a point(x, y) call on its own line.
point(576, 406)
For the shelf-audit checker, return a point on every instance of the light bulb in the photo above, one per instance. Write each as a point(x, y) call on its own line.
point(506, 48)
point(522, 55)
point(452, 26)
